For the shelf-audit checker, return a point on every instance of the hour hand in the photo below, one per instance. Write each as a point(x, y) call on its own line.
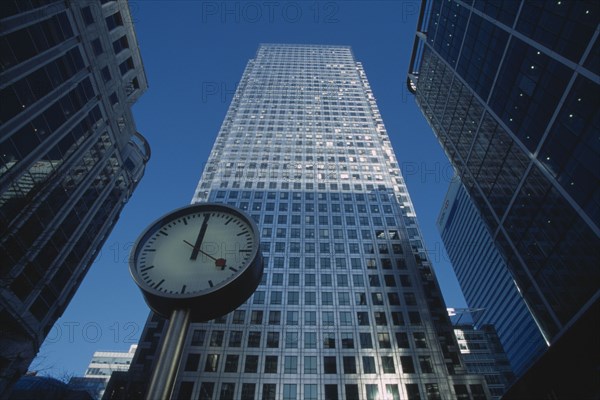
point(200, 238)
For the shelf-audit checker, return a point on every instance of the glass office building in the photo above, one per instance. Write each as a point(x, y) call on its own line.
point(70, 156)
point(484, 279)
point(511, 91)
point(349, 307)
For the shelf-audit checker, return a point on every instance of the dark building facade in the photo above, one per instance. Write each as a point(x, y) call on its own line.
point(511, 90)
point(484, 278)
point(70, 156)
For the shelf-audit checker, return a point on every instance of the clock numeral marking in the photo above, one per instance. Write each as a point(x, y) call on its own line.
point(183, 289)
point(185, 221)
point(233, 269)
point(242, 233)
point(210, 283)
point(146, 268)
point(245, 250)
point(158, 284)
point(149, 249)
point(164, 233)
point(229, 220)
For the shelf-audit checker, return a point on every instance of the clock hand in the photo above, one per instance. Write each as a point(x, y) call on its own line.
point(200, 238)
point(219, 262)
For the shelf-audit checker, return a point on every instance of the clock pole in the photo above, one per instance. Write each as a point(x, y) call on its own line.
point(165, 371)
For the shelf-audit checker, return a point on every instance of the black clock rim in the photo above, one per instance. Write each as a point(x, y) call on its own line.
point(178, 213)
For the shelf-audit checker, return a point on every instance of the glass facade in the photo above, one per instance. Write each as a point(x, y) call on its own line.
point(484, 279)
point(348, 307)
point(510, 90)
point(70, 156)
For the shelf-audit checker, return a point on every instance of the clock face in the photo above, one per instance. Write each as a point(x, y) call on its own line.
point(194, 251)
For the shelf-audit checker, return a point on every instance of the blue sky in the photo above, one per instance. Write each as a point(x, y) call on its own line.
point(194, 53)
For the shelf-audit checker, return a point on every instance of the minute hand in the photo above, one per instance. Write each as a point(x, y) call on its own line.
point(200, 238)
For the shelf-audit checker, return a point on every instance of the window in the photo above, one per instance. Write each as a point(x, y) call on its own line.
point(120, 44)
point(374, 281)
point(310, 298)
point(310, 318)
point(97, 47)
point(351, 392)
point(126, 65)
point(349, 364)
point(86, 14)
point(412, 390)
point(310, 364)
point(387, 363)
point(377, 298)
point(273, 340)
point(310, 340)
point(274, 317)
point(426, 366)
point(276, 297)
point(198, 337)
point(365, 340)
point(360, 299)
point(368, 365)
point(328, 318)
point(420, 341)
point(256, 317)
point(327, 298)
point(270, 364)
point(329, 340)
point(248, 391)
point(397, 318)
point(206, 390)
point(212, 363)
point(402, 339)
point(345, 318)
point(347, 340)
point(408, 366)
point(384, 340)
point(114, 20)
point(290, 365)
point(106, 76)
point(289, 391)
point(216, 339)
point(191, 363)
point(254, 339)
point(293, 298)
point(414, 317)
point(235, 339)
point(363, 318)
point(331, 392)
point(380, 318)
point(292, 318)
point(291, 340)
point(310, 392)
point(392, 392)
point(329, 365)
point(251, 365)
point(231, 363)
point(269, 391)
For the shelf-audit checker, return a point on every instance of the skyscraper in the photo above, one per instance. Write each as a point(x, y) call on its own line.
point(484, 279)
point(483, 354)
point(349, 306)
point(70, 156)
point(101, 367)
point(511, 90)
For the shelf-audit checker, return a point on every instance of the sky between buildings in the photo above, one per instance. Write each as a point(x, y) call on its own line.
point(194, 53)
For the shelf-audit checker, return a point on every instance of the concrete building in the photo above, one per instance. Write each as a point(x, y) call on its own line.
point(70, 156)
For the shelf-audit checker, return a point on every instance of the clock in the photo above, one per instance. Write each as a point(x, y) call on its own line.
point(204, 258)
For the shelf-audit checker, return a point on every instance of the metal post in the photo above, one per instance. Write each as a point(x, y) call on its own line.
point(165, 371)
